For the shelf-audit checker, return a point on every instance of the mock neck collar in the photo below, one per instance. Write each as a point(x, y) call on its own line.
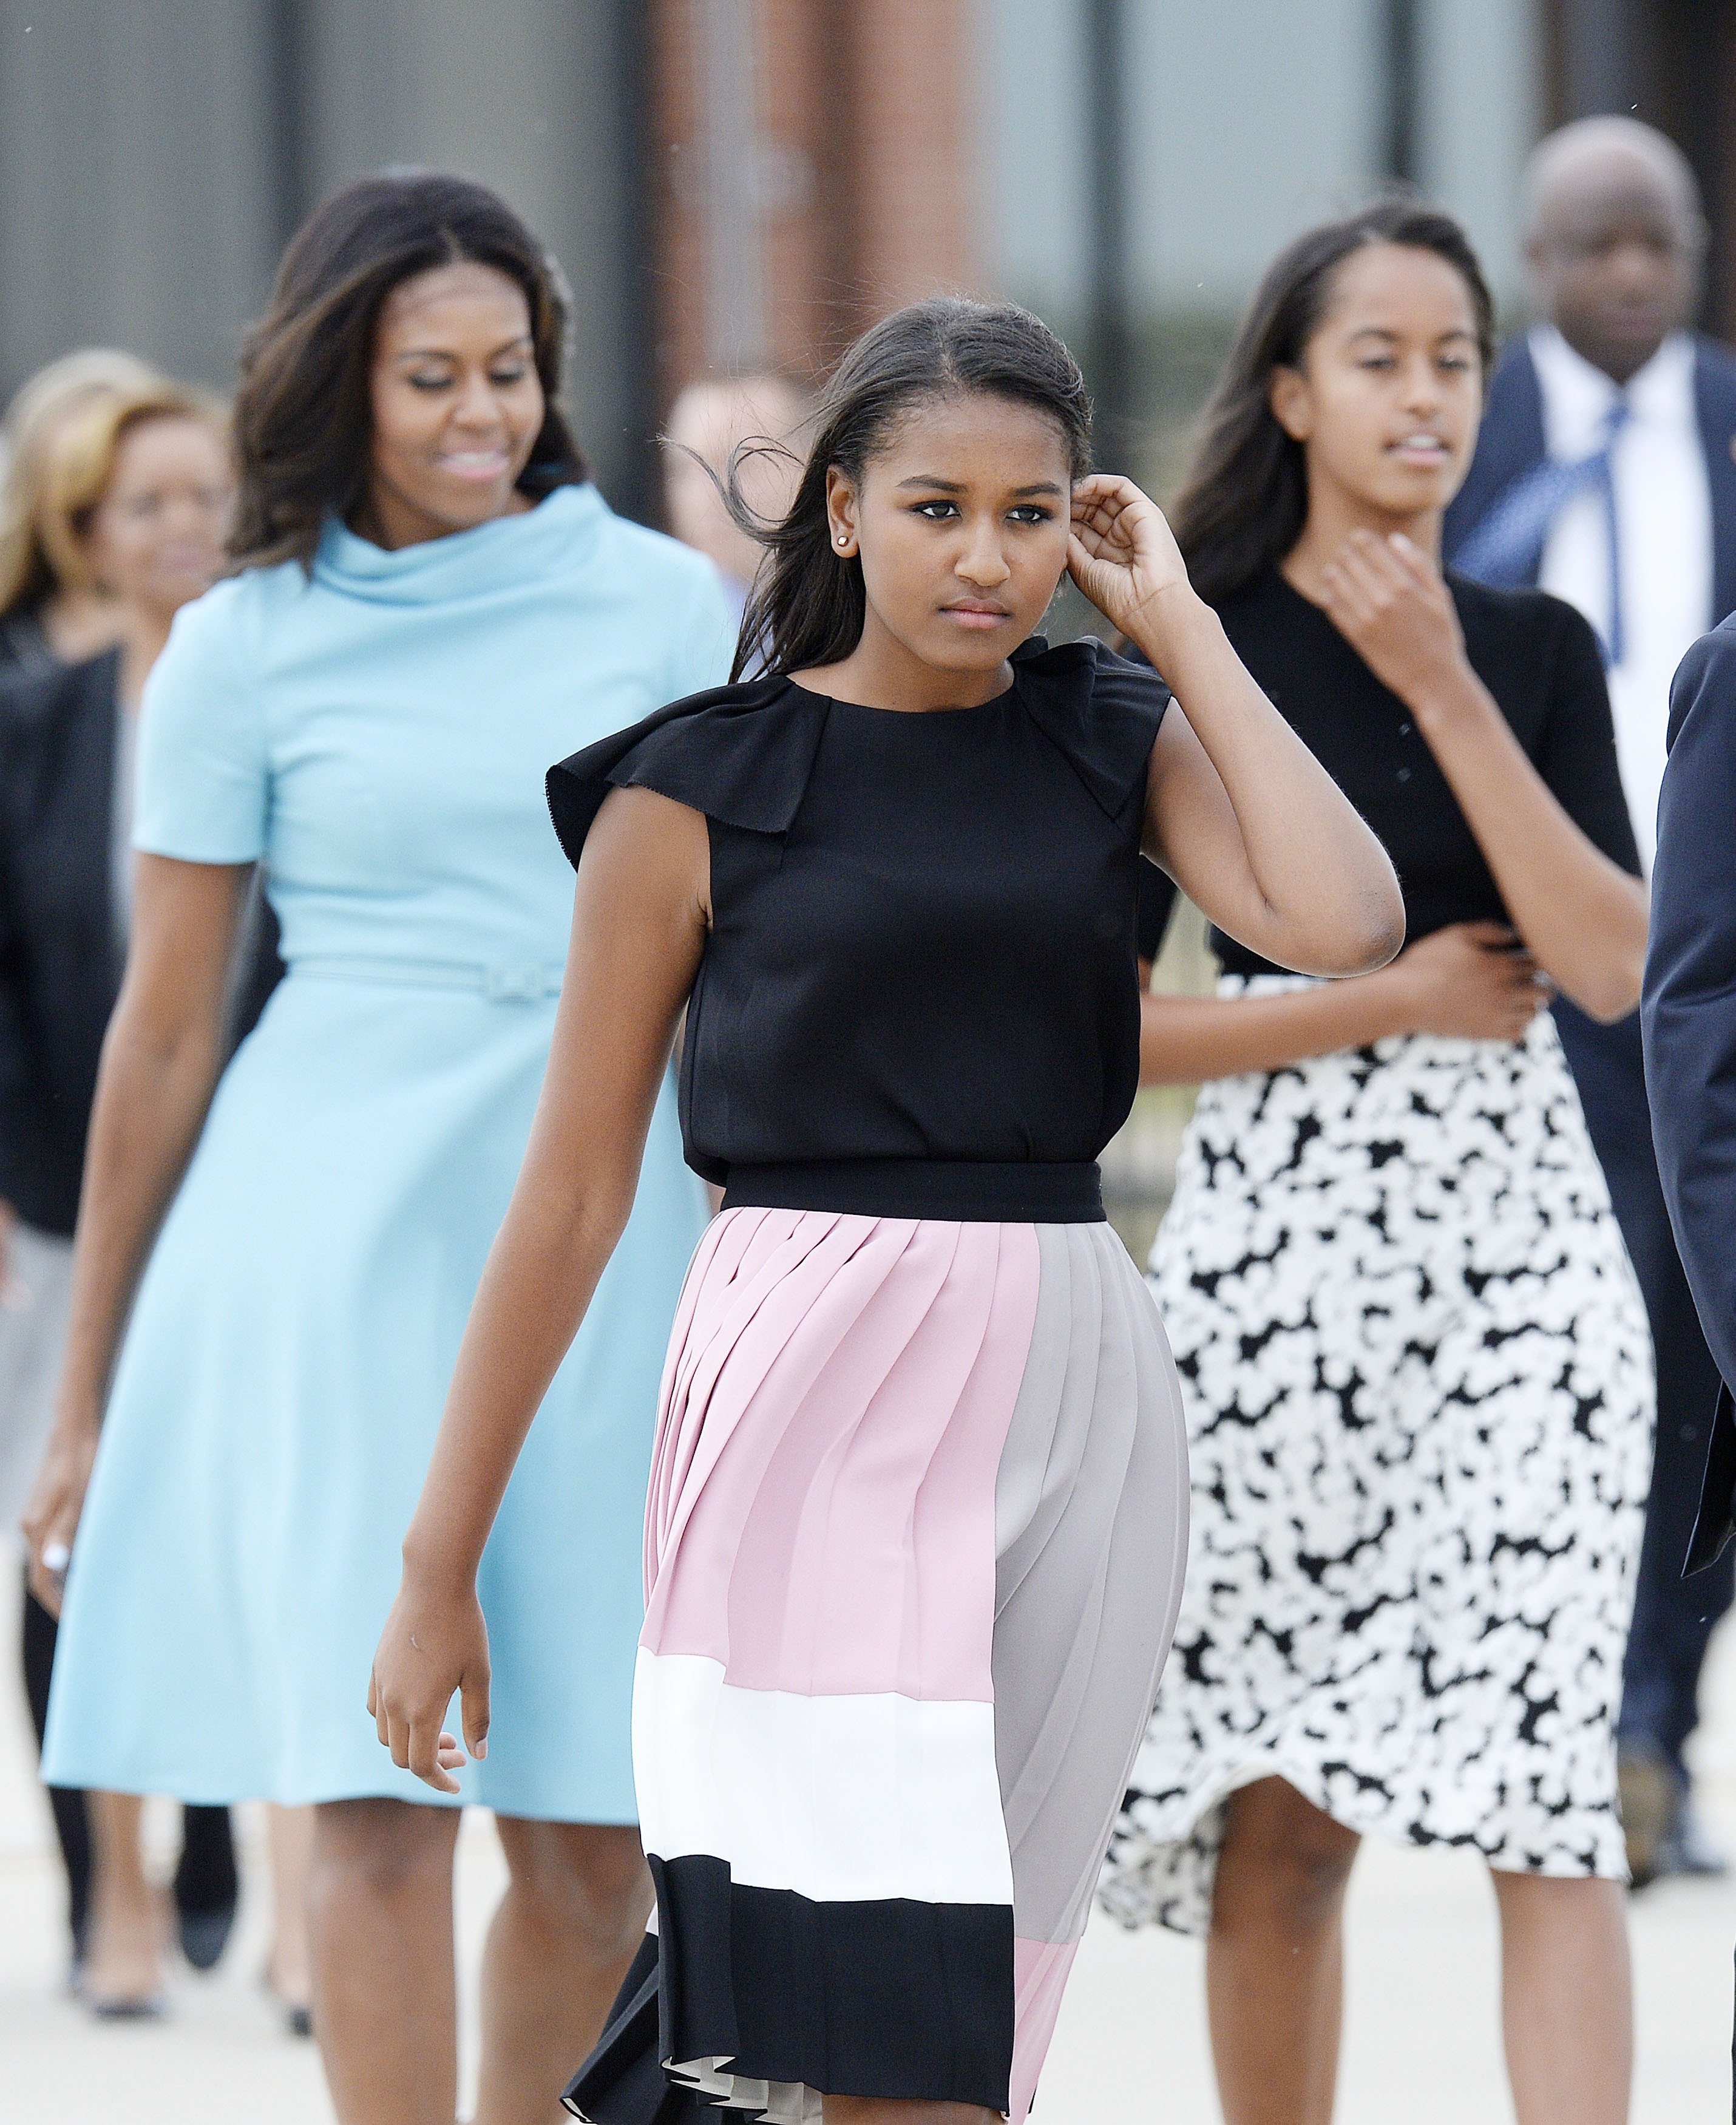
point(493, 556)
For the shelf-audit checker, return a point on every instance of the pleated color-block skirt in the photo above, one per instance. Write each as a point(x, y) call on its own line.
point(914, 1550)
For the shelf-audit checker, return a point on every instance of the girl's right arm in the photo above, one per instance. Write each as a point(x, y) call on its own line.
point(640, 919)
point(160, 1060)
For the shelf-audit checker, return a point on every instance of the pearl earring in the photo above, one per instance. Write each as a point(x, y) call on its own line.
point(843, 538)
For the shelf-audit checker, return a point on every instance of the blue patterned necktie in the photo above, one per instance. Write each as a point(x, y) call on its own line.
point(1507, 547)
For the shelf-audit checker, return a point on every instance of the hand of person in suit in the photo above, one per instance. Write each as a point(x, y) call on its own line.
point(1471, 981)
point(1391, 603)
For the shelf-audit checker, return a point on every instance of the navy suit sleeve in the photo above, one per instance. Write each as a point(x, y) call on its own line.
point(1689, 1014)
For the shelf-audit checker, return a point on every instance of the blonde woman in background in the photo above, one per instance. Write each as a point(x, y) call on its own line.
point(51, 610)
point(48, 618)
point(117, 496)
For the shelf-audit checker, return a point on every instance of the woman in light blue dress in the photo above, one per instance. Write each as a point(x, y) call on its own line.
point(373, 728)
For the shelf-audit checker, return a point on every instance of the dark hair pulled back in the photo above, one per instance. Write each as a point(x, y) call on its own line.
point(303, 416)
point(1245, 498)
point(808, 604)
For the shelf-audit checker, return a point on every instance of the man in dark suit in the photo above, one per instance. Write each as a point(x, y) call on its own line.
point(1605, 472)
point(1689, 1012)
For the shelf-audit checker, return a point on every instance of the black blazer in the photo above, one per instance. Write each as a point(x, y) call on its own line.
point(61, 952)
point(1688, 1017)
point(1511, 442)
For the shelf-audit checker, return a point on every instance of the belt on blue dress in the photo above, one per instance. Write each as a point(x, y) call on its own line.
point(524, 982)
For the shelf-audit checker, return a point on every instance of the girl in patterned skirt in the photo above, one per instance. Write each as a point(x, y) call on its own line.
point(1414, 1357)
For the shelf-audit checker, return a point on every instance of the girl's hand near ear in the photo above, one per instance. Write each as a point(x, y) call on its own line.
point(1124, 556)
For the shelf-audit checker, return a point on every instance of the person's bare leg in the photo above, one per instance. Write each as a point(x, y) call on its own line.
point(123, 1962)
point(379, 1923)
point(573, 1915)
point(1567, 1998)
point(1275, 1957)
point(289, 1844)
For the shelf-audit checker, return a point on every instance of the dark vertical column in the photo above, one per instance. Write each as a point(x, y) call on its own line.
point(290, 61)
point(1687, 89)
point(1598, 45)
point(839, 308)
point(1671, 63)
point(636, 488)
point(1401, 81)
point(1110, 338)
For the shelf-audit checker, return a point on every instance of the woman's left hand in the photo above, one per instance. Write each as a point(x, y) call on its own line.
point(1391, 603)
point(435, 1646)
point(1122, 554)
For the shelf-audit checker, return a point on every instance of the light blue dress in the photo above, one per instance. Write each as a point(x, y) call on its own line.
point(378, 737)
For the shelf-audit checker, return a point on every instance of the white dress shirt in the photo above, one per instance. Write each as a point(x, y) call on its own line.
point(1663, 526)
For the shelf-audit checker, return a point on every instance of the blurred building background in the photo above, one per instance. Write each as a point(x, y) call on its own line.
point(735, 183)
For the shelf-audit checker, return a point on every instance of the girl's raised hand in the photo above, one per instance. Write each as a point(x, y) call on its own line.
point(1122, 554)
point(1391, 603)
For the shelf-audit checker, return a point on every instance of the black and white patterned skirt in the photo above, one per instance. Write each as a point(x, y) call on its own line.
point(1417, 1380)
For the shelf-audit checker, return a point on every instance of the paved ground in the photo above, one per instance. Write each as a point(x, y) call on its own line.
point(1421, 2047)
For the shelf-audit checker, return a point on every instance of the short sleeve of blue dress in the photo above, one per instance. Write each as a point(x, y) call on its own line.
point(203, 791)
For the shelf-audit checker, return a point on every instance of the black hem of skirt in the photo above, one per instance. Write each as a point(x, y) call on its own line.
point(1023, 1192)
point(889, 1998)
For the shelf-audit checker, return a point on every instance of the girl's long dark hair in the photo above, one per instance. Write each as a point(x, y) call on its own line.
point(303, 420)
point(1245, 498)
point(807, 604)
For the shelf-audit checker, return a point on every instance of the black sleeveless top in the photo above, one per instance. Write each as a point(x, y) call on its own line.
point(918, 997)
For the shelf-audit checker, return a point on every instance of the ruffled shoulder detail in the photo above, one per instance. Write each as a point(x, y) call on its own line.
point(741, 754)
point(1098, 709)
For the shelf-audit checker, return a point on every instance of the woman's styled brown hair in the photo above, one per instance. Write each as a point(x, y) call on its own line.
point(37, 425)
point(1245, 499)
point(303, 416)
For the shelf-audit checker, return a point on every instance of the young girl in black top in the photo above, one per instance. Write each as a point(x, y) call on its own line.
point(917, 1514)
point(1414, 1357)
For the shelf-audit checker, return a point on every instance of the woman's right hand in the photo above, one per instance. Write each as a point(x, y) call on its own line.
point(435, 1644)
point(1471, 981)
point(51, 1518)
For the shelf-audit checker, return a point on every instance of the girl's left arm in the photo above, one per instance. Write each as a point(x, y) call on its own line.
point(1238, 811)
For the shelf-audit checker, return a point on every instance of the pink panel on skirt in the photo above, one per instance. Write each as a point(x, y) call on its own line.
point(836, 1550)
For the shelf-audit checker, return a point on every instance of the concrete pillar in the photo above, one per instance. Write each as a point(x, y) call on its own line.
point(136, 205)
